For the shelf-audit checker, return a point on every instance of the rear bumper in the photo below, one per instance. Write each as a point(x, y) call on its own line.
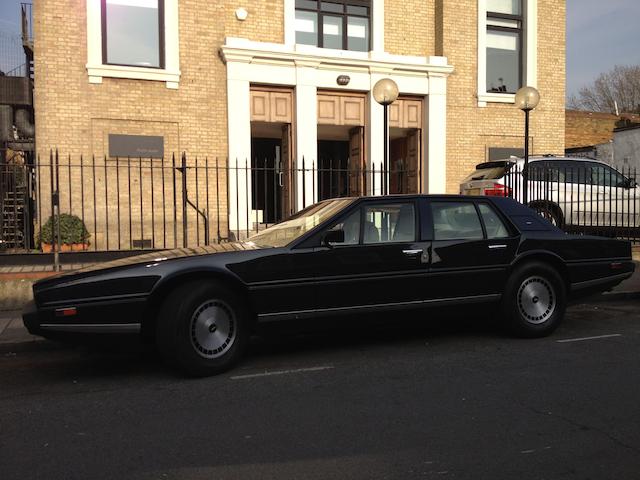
point(604, 283)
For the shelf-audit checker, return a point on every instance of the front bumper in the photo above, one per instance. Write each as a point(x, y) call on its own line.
point(112, 318)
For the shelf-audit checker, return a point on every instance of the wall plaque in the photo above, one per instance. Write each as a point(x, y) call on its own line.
point(136, 146)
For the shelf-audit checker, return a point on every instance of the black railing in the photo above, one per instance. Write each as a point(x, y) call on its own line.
point(579, 197)
point(138, 203)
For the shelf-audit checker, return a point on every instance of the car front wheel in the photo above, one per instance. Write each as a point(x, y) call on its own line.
point(203, 328)
point(534, 301)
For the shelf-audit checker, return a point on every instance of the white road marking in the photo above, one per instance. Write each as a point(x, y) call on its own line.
point(281, 372)
point(567, 340)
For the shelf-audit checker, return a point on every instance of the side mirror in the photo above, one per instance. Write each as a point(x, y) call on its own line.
point(333, 236)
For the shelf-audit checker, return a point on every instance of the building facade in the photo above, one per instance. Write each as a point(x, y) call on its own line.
point(287, 83)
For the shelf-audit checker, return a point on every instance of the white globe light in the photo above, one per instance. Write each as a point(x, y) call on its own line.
point(385, 91)
point(527, 98)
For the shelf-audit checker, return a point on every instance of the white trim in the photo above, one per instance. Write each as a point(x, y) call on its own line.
point(312, 69)
point(529, 49)
point(376, 20)
point(97, 70)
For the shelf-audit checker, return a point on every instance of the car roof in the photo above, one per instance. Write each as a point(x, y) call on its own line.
point(552, 158)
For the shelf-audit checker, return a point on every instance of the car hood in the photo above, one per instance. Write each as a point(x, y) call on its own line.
point(164, 255)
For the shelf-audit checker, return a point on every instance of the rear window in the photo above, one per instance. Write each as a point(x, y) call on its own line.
point(489, 171)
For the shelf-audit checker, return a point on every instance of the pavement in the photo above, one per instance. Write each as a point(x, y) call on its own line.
point(432, 397)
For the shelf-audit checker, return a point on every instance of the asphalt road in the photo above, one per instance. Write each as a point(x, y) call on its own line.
point(448, 398)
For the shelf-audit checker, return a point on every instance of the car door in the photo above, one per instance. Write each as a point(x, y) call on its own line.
point(381, 262)
point(472, 248)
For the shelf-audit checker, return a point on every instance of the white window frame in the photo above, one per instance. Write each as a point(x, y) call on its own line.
point(97, 70)
point(377, 31)
point(529, 50)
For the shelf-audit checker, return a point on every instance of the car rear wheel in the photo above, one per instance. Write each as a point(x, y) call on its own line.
point(550, 213)
point(203, 328)
point(534, 301)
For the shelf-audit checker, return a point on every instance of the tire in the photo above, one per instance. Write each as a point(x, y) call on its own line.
point(203, 328)
point(551, 214)
point(534, 300)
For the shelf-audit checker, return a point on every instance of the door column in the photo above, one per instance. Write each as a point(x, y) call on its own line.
point(239, 124)
point(435, 171)
point(306, 134)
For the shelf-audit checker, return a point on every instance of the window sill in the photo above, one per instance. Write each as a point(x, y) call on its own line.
point(97, 72)
point(484, 98)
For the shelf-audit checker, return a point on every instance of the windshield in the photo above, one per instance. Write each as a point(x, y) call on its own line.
point(286, 232)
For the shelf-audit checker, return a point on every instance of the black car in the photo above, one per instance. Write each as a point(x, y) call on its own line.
point(336, 257)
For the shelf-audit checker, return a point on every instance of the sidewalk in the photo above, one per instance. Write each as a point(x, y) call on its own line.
point(14, 336)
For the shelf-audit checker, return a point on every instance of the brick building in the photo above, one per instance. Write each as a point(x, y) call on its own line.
point(267, 79)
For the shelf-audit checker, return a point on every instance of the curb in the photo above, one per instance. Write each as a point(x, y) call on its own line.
point(613, 297)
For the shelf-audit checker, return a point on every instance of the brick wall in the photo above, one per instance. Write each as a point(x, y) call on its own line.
point(76, 116)
point(472, 130)
point(409, 27)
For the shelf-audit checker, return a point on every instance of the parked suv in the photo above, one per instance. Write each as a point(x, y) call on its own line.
point(579, 192)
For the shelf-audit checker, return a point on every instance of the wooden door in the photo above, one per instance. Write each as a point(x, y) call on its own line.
point(356, 162)
point(413, 163)
point(286, 173)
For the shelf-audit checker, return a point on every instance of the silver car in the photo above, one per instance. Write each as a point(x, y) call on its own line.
point(580, 192)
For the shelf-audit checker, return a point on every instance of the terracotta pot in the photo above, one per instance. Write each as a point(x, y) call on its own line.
point(65, 247)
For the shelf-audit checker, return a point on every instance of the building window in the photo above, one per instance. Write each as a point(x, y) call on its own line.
point(504, 45)
point(338, 24)
point(133, 33)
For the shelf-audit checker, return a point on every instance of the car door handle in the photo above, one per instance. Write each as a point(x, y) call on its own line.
point(412, 252)
point(497, 247)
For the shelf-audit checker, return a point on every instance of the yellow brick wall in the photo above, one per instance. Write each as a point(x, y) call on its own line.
point(472, 130)
point(76, 116)
point(409, 27)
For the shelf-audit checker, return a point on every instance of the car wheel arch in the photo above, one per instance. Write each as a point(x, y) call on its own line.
point(166, 285)
point(547, 258)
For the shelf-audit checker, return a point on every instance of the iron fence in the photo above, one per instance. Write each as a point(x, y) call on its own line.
point(139, 203)
point(128, 204)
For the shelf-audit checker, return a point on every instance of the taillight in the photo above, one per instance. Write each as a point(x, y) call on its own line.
point(498, 190)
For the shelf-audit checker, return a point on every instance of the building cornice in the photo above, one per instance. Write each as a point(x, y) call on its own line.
point(245, 51)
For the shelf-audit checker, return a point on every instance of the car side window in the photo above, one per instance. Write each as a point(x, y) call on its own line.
point(456, 221)
point(388, 223)
point(494, 226)
point(351, 228)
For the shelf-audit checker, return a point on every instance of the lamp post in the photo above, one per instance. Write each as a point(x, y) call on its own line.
point(527, 98)
point(385, 92)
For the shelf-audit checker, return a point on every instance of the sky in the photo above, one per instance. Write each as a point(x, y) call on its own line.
point(600, 35)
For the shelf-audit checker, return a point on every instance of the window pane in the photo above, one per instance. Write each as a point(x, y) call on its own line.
point(500, 22)
point(362, 11)
point(456, 221)
point(503, 61)
point(133, 32)
point(389, 223)
point(308, 4)
point(306, 28)
point(332, 7)
point(495, 227)
point(351, 228)
point(358, 34)
point(510, 7)
point(332, 32)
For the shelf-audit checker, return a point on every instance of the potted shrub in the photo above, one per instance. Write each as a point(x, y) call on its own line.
point(74, 235)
